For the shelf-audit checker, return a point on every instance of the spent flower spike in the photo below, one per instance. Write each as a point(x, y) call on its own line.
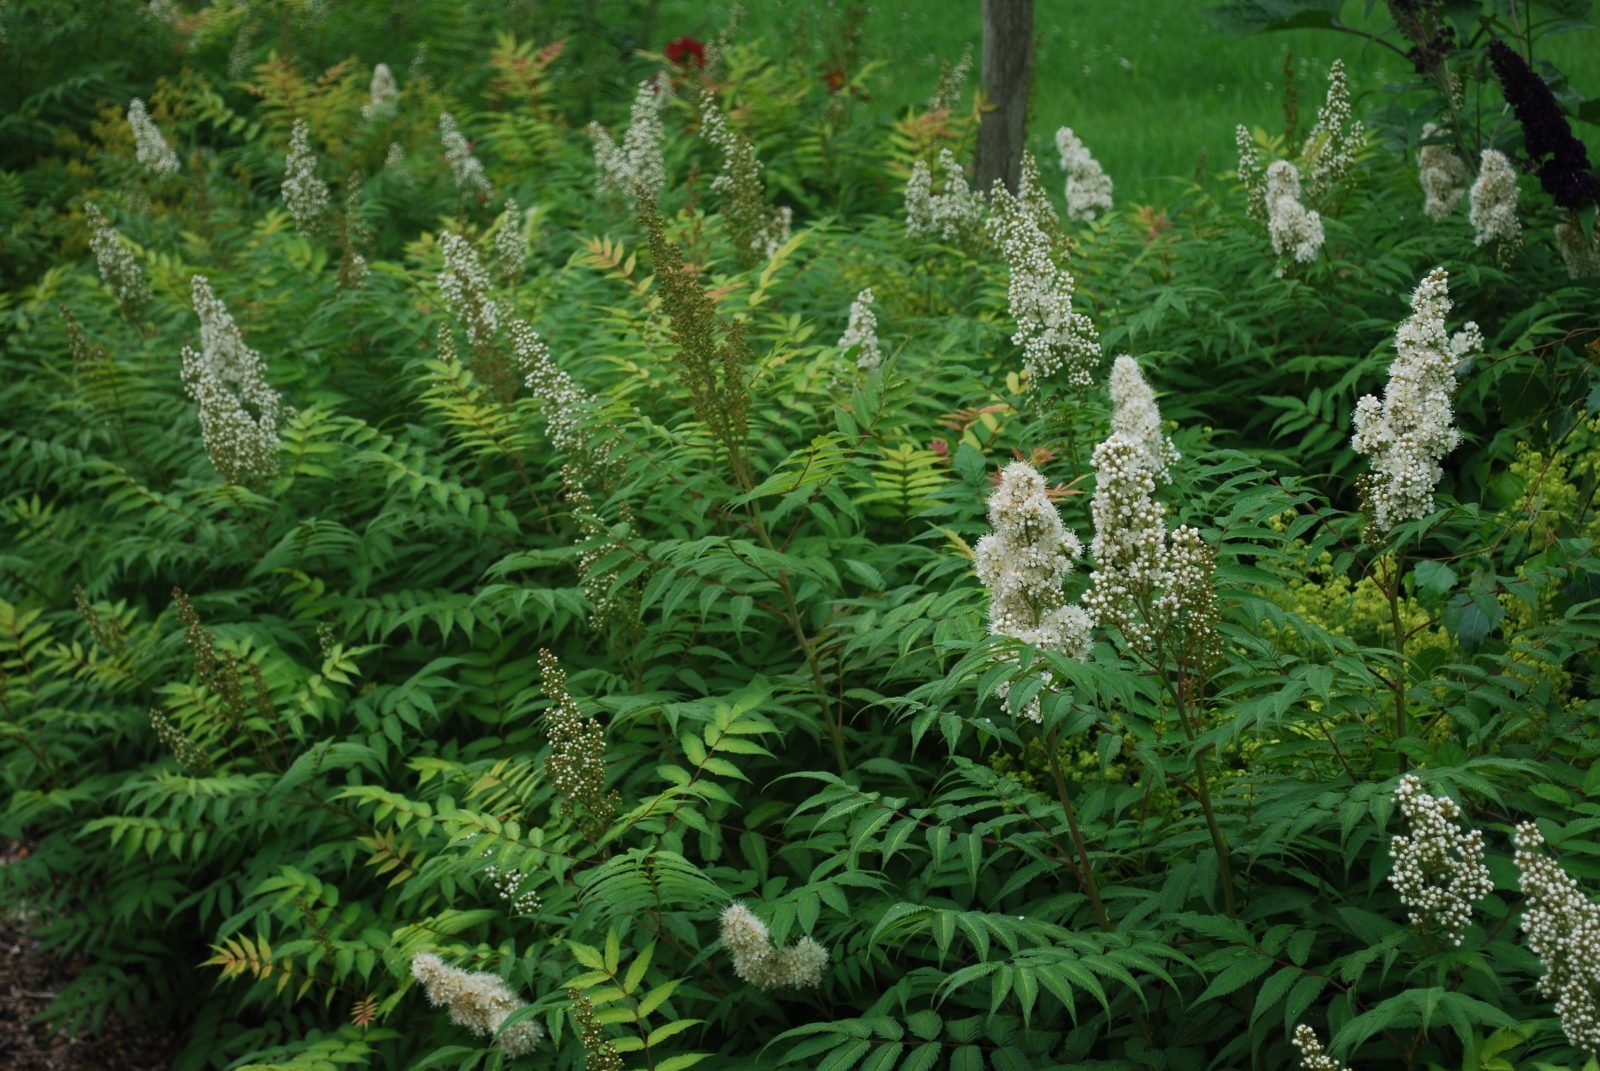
point(758, 229)
point(1409, 432)
point(1438, 868)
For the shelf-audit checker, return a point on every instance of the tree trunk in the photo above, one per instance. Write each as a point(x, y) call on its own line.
point(1007, 68)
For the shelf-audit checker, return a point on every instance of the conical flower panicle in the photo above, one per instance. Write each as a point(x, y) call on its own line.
point(238, 410)
point(757, 961)
point(1439, 871)
point(1410, 431)
point(862, 331)
point(477, 1000)
point(1562, 928)
point(1054, 338)
point(1088, 186)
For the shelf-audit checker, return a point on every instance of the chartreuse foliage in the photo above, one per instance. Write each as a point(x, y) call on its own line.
point(269, 743)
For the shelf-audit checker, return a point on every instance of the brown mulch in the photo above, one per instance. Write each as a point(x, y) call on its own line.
point(30, 977)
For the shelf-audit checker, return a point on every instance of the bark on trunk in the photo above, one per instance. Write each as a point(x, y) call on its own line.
point(1007, 68)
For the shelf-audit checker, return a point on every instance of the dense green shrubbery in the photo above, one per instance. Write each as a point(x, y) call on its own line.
point(537, 682)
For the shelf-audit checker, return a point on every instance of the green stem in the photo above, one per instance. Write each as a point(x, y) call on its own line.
point(1085, 868)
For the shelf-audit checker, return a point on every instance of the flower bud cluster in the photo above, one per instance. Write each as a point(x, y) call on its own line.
point(1443, 175)
point(577, 762)
point(304, 193)
point(190, 756)
point(1580, 254)
point(1023, 562)
point(862, 331)
point(1295, 230)
point(1251, 173)
point(566, 407)
point(238, 410)
point(1494, 203)
point(507, 884)
point(1438, 869)
point(117, 266)
point(1563, 929)
point(1331, 147)
point(382, 94)
point(1088, 186)
point(148, 144)
point(757, 961)
point(1053, 337)
point(1312, 1056)
point(464, 285)
point(955, 214)
point(477, 1000)
point(637, 165)
point(758, 229)
point(952, 79)
point(1410, 431)
point(464, 167)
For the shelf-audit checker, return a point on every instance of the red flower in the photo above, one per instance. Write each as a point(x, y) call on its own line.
point(679, 52)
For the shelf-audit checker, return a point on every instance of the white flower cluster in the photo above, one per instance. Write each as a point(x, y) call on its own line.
point(148, 144)
point(952, 79)
point(1023, 562)
point(511, 241)
point(477, 1000)
point(1563, 930)
point(1295, 230)
point(1410, 431)
point(757, 961)
point(117, 266)
point(1438, 870)
point(1312, 1056)
point(761, 228)
point(1443, 175)
point(304, 193)
point(1580, 254)
point(464, 285)
point(1251, 173)
point(1053, 337)
point(637, 165)
point(1088, 186)
point(565, 405)
point(955, 214)
point(862, 331)
point(508, 886)
point(464, 167)
point(1330, 150)
point(238, 410)
point(382, 94)
point(1494, 202)
point(1145, 579)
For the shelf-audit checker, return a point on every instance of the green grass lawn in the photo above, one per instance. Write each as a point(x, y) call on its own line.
point(1152, 88)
